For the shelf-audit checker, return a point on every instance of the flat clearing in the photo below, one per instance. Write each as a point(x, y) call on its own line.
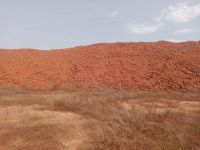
point(98, 119)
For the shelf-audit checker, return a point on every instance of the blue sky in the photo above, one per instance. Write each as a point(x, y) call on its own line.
point(48, 24)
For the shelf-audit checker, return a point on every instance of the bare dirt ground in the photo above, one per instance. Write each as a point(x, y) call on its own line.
point(27, 127)
point(99, 119)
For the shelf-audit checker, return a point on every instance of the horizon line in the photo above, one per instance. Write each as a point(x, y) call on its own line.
point(99, 43)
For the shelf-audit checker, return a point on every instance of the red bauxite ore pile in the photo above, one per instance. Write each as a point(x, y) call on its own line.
point(141, 66)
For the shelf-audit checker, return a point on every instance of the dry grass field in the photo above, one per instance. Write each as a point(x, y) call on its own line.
point(98, 119)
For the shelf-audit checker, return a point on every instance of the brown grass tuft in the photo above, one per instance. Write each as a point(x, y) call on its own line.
point(113, 120)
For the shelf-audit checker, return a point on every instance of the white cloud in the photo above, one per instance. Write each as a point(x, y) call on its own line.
point(181, 12)
point(115, 14)
point(177, 13)
point(142, 29)
point(183, 31)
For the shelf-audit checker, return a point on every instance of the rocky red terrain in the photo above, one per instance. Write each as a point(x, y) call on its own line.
point(145, 66)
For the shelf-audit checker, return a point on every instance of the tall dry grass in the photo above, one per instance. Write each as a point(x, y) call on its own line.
point(125, 127)
point(121, 120)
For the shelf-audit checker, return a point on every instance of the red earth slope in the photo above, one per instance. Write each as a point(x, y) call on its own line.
point(145, 66)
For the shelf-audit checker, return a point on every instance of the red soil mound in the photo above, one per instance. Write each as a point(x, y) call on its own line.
point(149, 66)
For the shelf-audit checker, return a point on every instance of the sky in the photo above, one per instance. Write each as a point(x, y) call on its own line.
point(51, 24)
